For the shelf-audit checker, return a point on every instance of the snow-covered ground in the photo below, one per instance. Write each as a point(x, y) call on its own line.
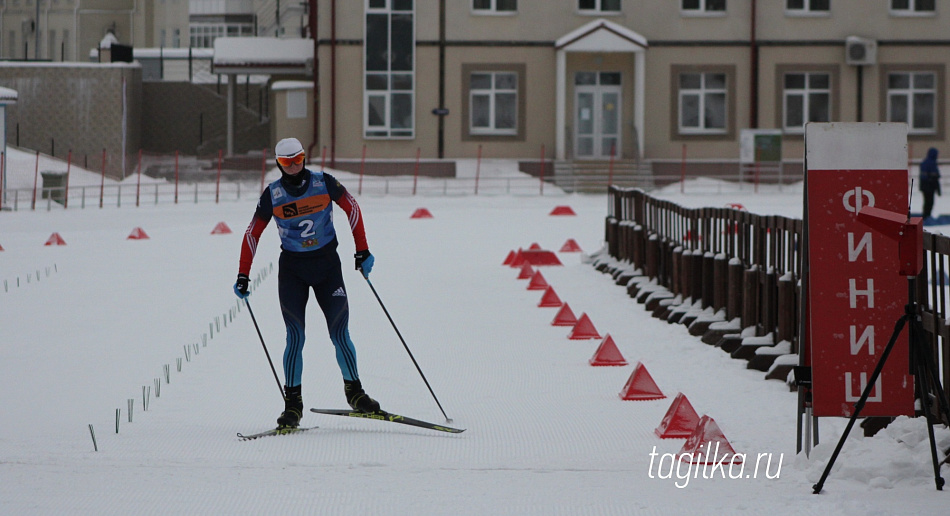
point(89, 326)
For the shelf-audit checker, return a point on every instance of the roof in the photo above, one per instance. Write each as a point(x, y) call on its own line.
point(262, 55)
point(601, 35)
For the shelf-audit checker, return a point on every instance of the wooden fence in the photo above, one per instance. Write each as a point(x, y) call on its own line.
point(733, 277)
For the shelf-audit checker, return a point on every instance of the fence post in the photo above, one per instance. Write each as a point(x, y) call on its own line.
point(683, 171)
point(415, 173)
point(3, 166)
point(69, 166)
point(176, 177)
point(478, 167)
point(362, 162)
point(217, 186)
point(138, 182)
point(102, 182)
point(323, 157)
point(541, 173)
point(610, 166)
point(36, 175)
point(263, 167)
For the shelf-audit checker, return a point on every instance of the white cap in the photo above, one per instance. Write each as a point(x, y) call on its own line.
point(288, 148)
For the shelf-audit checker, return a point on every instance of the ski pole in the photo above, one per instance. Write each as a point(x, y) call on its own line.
point(269, 361)
point(368, 282)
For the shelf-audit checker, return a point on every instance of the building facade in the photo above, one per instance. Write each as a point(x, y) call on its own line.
point(651, 81)
point(638, 79)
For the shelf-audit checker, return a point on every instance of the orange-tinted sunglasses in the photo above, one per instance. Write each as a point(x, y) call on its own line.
point(292, 160)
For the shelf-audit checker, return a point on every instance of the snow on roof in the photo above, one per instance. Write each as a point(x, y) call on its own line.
point(261, 51)
point(7, 96)
point(291, 85)
point(108, 40)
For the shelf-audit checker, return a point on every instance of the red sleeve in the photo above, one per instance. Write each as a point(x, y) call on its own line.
point(249, 244)
point(352, 209)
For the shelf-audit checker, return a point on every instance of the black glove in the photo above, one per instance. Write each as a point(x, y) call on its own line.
point(241, 286)
point(364, 262)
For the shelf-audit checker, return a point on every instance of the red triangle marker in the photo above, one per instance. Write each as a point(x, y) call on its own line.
point(55, 239)
point(509, 258)
point(570, 246)
point(562, 210)
point(565, 317)
point(550, 299)
point(421, 213)
point(680, 420)
point(708, 445)
point(640, 386)
point(517, 260)
point(607, 354)
point(526, 271)
point(537, 282)
point(584, 329)
point(137, 234)
point(221, 229)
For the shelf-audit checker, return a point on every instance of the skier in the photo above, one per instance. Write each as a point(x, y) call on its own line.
point(300, 203)
point(929, 180)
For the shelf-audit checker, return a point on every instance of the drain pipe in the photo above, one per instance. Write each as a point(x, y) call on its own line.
point(753, 72)
point(316, 79)
point(333, 84)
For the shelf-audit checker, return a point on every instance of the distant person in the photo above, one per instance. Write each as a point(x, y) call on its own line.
point(929, 180)
point(300, 203)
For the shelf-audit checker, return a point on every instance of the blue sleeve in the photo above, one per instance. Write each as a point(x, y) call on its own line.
point(334, 188)
point(265, 207)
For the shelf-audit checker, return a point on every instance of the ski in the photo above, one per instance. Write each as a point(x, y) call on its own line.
point(382, 415)
point(274, 431)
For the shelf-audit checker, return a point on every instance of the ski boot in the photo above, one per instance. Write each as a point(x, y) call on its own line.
point(359, 400)
point(293, 408)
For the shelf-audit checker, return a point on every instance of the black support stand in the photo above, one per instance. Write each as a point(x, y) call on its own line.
point(927, 381)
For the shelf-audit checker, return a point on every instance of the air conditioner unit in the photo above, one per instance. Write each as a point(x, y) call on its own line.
point(860, 51)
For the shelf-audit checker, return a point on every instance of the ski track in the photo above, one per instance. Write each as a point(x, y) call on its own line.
point(546, 432)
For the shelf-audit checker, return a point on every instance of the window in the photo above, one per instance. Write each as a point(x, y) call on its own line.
point(913, 7)
point(389, 69)
point(704, 6)
point(296, 104)
point(599, 6)
point(912, 99)
point(494, 6)
point(702, 103)
point(493, 103)
point(807, 6)
point(806, 98)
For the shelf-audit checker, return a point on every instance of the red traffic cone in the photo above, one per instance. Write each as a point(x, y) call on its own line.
point(421, 213)
point(55, 239)
point(708, 445)
point(607, 354)
point(570, 246)
point(680, 420)
point(550, 299)
point(537, 282)
point(526, 271)
point(565, 317)
point(584, 329)
point(221, 229)
point(640, 386)
point(137, 234)
point(562, 210)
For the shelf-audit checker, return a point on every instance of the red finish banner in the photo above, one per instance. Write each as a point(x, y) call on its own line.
point(855, 294)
